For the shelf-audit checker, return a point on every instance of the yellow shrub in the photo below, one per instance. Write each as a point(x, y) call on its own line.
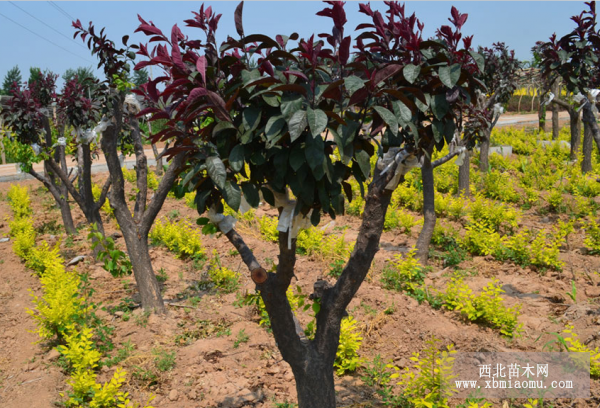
point(59, 304)
point(43, 257)
point(180, 237)
point(268, 228)
point(97, 191)
point(24, 237)
point(574, 345)
point(18, 198)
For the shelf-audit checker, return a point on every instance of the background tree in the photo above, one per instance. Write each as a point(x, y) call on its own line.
point(85, 76)
point(574, 58)
point(276, 128)
point(140, 77)
point(35, 75)
point(12, 76)
point(120, 133)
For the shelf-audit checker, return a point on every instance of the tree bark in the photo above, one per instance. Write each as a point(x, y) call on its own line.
point(484, 151)
point(464, 176)
point(428, 211)
point(61, 201)
point(315, 383)
point(588, 146)
point(555, 119)
point(542, 118)
point(575, 126)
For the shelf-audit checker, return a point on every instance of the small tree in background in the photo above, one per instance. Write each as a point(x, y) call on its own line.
point(140, 77)
point(121, 134)
point(574, 58)
point(12, 80)
point(501, 80)
point(293, 120)
point(85, 76)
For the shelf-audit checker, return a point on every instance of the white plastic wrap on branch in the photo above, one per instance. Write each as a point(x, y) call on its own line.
point(36, 148)
point(62, 141)
point(224, 222)
point(84, 136)
point(405, 161)
point(244, 206)
point(498, 109)
point(550, 98)
point(462, 154)
point(287, 221)
point(101, 127)
point(132, 104)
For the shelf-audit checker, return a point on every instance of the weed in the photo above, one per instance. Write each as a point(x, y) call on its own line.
point(116, 262)
point(141, 319)
point(242, 337)
point(164, 360)
point(161, 275)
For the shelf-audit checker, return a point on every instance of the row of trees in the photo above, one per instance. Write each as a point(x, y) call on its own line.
point(260, 117)
point(13, 78)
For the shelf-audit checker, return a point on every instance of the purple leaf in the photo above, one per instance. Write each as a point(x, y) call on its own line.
point(238, 19)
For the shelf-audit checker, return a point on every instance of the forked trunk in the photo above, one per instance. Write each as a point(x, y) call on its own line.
point(484, 151)
point(428, 212)
point(315, 384)
point(464, 175)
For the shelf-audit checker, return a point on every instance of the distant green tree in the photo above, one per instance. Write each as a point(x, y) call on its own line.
point(140, 77)
point(85, 77)
point(12, 76)
point(35, 74)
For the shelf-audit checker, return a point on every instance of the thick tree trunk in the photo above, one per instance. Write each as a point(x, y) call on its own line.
point(428, 212)
point(67, 217)
point(542, 118)
point(588, 146)
point(484, 151)
point(464, 176)
point(137, 248)
point(555, 119)
point(575, 126)
point(315, 384)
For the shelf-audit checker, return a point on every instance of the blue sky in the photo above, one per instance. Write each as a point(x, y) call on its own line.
point(519, 24)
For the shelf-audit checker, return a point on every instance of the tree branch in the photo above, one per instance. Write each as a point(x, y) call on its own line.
point(141, 169)
point(65, 179)
point(245, 252)
point(103, 193)
point(444, 159)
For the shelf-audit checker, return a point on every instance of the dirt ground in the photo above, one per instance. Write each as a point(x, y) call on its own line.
point(212, 369)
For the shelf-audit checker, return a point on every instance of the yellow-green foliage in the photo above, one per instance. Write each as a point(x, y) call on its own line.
point(481, 239)
point(97, 191)
point(224, 278)
point(398, 218)
point(314, 242)
point(86, 390)
point(428, 383)
point(268, 228)
point(131, 176)
point(190, 200)
point(18, 198)
point(42, 257)
point(59, 304)
point(180, 237)
point(404, 274)
point(408, 196)
point(592, 237)
point(24, 236)
point(500, 186)
point(346, 357)
point(487, 307)
point(495, 215)
point(544, 250)
point(574, 345)
point(556, 201)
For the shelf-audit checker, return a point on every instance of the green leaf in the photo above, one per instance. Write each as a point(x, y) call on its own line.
point(268, 195)
point(317, 120)
point(362, 158)
point(274, 126)
point(251, 193)
point(479, 60)
point(353, 83)
point(251, 117)
point(439, 106)
point(232, 195)
point(449, 75)
point(314, 153)
point(221, 126)
point(297, 158)
point(202, 221)
point(236, 158)
point(271, 100)
point(402, 111)
point(389, 118)
point(290, 103)
point(411, 72)
point(297, 124)
point(216, 171)
point(423, 106)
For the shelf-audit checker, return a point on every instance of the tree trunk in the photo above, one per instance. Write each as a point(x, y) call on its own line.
point(137, 248)
point(315, 384)
point(555, 119)
point(484, 151)
point(575, 126)
point(588, 146)
point(464, 176)
point(428, 212)
point(542, 118)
